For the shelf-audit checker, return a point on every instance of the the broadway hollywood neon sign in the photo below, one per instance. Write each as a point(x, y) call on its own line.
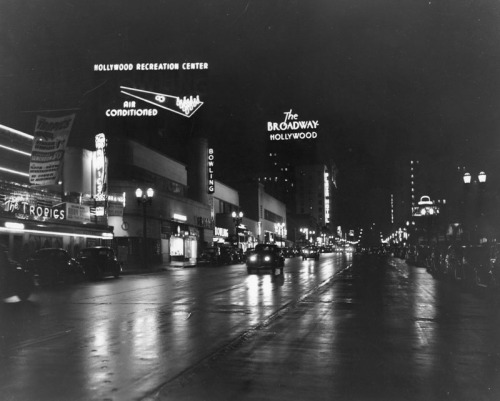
point(292, 128)
point(185, 106)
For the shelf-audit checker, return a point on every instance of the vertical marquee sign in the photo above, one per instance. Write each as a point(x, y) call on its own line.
point(210, 165)
point(100, 167)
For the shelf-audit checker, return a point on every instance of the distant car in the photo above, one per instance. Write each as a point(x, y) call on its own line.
point(54, 265)
point(266, 257)
point(99, 262)
point(310, 252)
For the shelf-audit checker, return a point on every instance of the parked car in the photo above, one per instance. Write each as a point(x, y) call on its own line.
point(423, 253)
point(209, 257)
point(266, 257)
point(231, 255)
point(477, 265)
point(14, 279)
point(310, 252)
point(495, 266)
point(54, 265)
point(452, 265)
point(99, 262)
point(436, 259)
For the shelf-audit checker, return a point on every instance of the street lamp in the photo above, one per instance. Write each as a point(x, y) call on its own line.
point(144, 199)
point(237, 217)
point(481, 178)
point(475, 221)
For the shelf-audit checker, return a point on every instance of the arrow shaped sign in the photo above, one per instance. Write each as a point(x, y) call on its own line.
point(185, 106)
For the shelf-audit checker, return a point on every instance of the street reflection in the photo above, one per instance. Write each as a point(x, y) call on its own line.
point(423, 291)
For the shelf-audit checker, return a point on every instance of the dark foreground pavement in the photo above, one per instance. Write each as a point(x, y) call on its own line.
point(378, 331)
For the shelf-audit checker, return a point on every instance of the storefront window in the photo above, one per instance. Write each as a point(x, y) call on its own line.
point(176, 246)
point(191, 247)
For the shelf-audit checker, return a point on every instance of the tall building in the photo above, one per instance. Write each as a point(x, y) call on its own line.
point(313, 184)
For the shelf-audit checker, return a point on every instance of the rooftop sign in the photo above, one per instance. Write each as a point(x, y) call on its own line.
point(150, 67)
point(185, 106)
point(292, 128)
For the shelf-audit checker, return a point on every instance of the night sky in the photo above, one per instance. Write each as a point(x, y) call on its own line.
point(388, 80)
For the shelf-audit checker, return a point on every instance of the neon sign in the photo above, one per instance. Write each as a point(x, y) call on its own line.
point(185, 106)
point(221, 232)
point(22, 209)
point(292, 128)
point(327, 198)
point(211, 181)
point(100, 167)
point(150, 67)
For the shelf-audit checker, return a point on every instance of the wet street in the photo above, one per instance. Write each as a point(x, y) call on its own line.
point(340, 328)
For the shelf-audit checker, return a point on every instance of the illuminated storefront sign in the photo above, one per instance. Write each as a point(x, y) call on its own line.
point(179, 217)
point(210, 161)
point(100, 167)
point(22, 209)
point(221, 232)
point(77, 213)
point(292, 128)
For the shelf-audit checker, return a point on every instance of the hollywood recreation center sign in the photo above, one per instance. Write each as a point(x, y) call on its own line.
point(292, 128)
point(185, 106)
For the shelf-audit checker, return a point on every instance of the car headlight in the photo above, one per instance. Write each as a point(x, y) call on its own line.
point(253, 258)
point(267, 258)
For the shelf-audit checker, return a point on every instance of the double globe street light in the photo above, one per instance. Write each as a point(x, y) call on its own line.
point(474, 222)
point(237, 218)
point(144, 199)
point(481, 178)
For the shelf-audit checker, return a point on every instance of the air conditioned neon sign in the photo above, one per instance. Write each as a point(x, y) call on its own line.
point(185, 106)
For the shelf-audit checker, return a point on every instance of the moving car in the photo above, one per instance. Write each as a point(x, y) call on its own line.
point(54, 265)
point(99, 262)
point(266, 257)
point(310, 252)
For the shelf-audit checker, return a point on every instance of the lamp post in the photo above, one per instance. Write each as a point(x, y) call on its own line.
point(237, 217)
point(305, 231)
point(479, 184)
point(144, 199)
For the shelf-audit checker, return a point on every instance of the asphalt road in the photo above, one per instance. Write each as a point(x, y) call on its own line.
point(334, 329)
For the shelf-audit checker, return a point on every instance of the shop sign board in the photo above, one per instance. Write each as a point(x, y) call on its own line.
point(115, 209)
point(49, 144)
point(205, 222)
point(221, 232)
point(77, 213)
point(22, 209)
